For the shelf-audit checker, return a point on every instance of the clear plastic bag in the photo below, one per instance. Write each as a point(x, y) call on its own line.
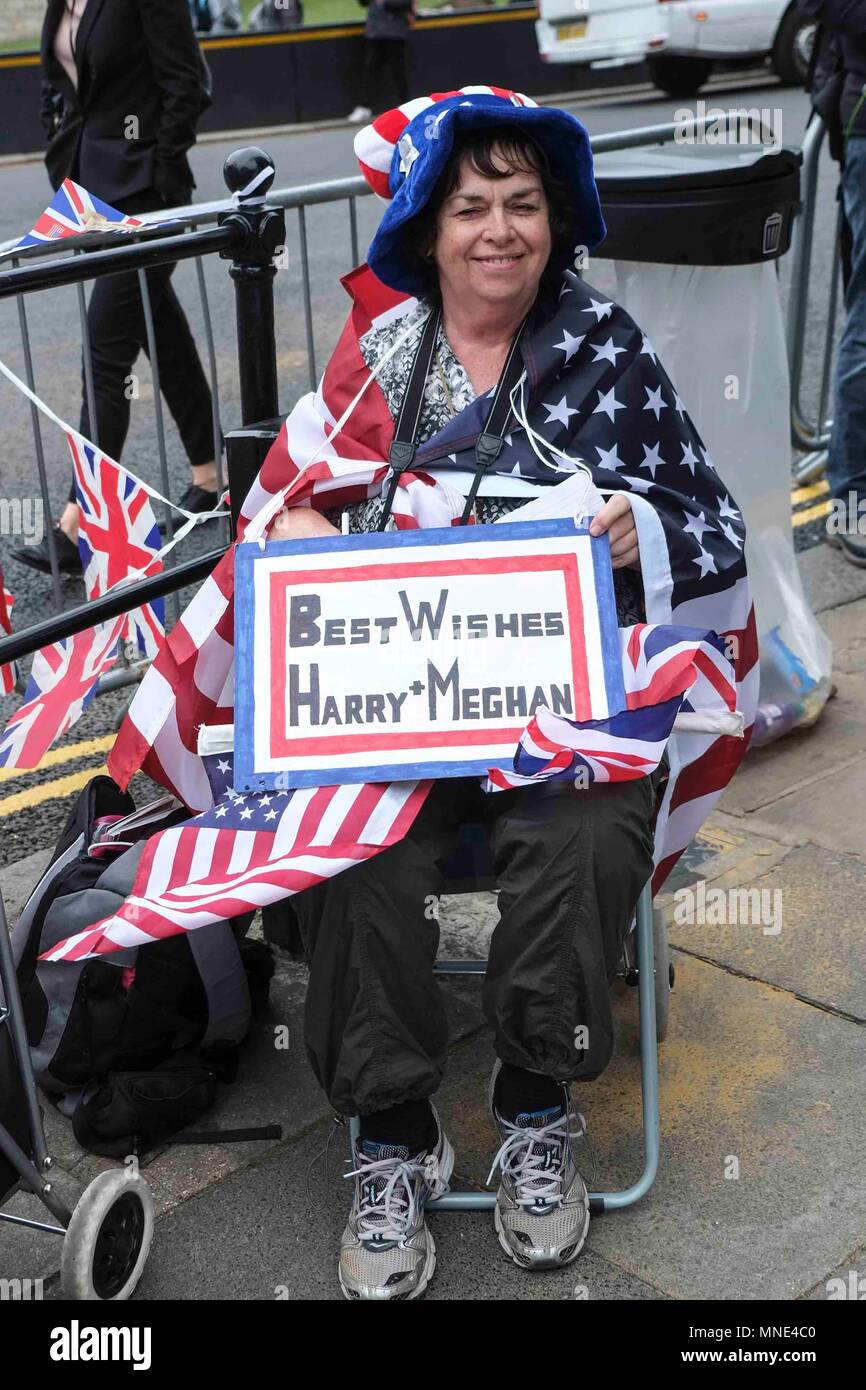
point(718, 331)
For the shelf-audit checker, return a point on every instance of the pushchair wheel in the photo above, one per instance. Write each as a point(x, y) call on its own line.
point(108, 1239)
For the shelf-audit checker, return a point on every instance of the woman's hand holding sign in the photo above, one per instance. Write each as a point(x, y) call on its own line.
point(617, 520)
point(295, 523)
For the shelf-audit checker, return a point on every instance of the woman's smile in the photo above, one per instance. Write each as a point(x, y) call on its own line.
point(504, 262)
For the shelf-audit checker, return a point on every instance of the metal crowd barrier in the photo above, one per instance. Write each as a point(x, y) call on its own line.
point(812, 436)
point(244, 232)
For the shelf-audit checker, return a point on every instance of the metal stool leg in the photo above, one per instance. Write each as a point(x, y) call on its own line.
point(606, 1201)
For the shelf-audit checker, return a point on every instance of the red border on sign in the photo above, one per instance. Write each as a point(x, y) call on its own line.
point(341, 742)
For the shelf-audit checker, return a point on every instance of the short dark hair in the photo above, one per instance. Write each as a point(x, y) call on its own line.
point(520, 153)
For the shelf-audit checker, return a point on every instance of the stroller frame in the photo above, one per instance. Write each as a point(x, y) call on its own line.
point(32, 1171)
point(107, 1235)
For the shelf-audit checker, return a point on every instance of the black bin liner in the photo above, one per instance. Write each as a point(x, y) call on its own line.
point(698, 204)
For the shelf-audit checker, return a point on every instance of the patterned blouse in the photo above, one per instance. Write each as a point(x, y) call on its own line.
point(446, 392)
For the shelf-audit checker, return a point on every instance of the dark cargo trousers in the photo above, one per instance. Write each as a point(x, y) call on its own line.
point(569, 863)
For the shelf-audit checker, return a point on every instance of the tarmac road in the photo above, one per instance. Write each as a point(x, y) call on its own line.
point(34, 805)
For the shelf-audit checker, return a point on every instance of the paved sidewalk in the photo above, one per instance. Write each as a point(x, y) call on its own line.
point(762, 1185)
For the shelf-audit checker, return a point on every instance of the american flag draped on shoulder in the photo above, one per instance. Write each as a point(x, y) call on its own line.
point(596, 390)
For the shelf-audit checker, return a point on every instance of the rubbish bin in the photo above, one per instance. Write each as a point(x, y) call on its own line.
point(695, 232)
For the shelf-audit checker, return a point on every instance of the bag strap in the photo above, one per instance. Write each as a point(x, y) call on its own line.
point(488, 445)
point(403, 446)
point(489, 442)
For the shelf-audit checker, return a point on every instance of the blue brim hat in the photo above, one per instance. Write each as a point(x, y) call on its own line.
point(403, 153)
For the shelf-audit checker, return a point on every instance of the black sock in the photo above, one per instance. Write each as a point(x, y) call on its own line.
point(518, 1091)
point(411, 1123)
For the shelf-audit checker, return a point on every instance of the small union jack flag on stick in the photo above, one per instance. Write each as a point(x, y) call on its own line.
point(62, 684)
point(118, 536)
point(72, 211)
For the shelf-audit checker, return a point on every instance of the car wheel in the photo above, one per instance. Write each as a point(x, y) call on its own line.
point(792, 49)
point(678, 76)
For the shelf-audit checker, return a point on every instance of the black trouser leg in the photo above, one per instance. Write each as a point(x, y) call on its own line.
point(373, 61)
point(375, 1026)
point(115, 319)
point(396, 56)
point(385, 59)
point(570, 864)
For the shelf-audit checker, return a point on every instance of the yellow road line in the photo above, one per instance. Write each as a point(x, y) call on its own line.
point(802, 494)
point(811, 513)
point(62, 755)
point(34, 796)
point(318, 35)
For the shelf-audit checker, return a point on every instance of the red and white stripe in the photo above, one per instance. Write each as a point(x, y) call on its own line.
point(191, 876)
point(8, 672)
point(375, 143)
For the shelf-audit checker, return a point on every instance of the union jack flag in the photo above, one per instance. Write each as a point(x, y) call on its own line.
point(73, 210)
point(9, 672)
point(62, 683)
point(118, 536)
point(669, 673)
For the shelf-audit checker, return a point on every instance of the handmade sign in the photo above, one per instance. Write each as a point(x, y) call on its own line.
point(409, 654)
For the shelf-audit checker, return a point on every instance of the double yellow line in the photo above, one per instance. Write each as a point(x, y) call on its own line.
point(801, 495)
point(58, 786)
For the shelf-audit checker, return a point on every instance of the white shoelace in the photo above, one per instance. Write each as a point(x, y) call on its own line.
point(393, 1211)
point(523, 1157)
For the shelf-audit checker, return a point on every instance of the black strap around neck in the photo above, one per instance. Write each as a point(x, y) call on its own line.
point(402, 450)
point(489, 442)
point(488, 445)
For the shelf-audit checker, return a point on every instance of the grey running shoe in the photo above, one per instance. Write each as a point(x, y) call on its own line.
point(386, 1250)
point(542, 1206)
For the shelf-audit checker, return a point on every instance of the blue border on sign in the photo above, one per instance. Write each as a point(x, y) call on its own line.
point(608, 626)
point(247, 555)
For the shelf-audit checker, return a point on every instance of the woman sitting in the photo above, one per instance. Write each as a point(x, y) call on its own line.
point(496, 194)
point(474, 372)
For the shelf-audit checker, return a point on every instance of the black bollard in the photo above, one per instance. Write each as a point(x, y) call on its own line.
point(249, 174)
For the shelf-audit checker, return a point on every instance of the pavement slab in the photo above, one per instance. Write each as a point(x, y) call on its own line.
point(803, 759)
point(799, 927)
point(830, 580)
point(846, 628)
point(847, 1283)
point(747, 1073)
point(830, 814)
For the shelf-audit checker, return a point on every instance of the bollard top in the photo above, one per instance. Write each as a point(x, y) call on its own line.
point(249, 173)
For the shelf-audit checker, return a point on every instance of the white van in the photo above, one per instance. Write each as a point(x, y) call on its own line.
point(681, 40)
point(604, 33)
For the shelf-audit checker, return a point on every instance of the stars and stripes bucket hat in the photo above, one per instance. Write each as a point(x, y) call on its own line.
point(403, 152)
